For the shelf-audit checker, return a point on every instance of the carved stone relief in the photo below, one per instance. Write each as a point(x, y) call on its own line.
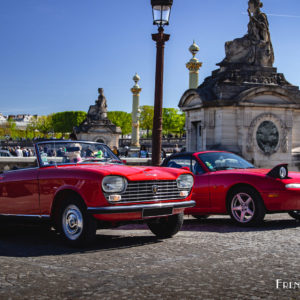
point(270, 134)
point(267, 137)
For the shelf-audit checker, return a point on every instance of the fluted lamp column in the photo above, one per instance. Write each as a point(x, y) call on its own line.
point(194, 65)
point(135, 137)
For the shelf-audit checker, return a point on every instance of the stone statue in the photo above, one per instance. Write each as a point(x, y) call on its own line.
point(99, 111)
point(101, 102)
point(255, 48)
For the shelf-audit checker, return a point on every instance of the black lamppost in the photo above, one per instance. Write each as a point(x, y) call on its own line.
point(161, 14)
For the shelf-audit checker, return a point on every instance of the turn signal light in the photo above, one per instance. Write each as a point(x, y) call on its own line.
point(114, 198)
point(184, 193)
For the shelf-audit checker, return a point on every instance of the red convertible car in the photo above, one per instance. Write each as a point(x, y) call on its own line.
point(82, 186)
point(227, 184)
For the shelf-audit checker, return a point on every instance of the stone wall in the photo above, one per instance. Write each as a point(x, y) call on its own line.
point(235, 128)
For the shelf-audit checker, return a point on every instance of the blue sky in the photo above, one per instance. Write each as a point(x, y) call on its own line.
point(55, 54)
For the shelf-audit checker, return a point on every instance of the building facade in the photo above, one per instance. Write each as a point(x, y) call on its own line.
point(246, 106)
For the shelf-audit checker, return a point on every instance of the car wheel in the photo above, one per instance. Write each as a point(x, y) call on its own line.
point(166, 227)
point(246, 207)
point(200, 217)
point(75, 225)
point(295, 214)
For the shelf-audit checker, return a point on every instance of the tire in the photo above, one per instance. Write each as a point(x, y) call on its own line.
point(166, 227)
point(295, 214)
point(246, 207)
point(74, 223)
point(200, 217)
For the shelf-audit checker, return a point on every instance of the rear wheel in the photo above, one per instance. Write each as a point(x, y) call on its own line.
point(246, 207)
point(74, 223)
point(166, 227)
point(295, 214)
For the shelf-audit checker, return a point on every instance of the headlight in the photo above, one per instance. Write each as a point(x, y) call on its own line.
point(114, 184)
point(293, 186)
point(185, 181)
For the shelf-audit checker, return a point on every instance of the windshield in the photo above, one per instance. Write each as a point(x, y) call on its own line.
point(70, 152)
point(216, 161)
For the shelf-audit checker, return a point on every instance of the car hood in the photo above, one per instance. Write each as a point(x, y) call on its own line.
point(131, 172)
point(261, 172)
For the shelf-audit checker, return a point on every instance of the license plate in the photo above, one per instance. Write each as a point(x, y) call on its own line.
point(154, 212)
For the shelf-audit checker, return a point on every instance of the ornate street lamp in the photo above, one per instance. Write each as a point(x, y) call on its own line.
point(161, 14)
point(161, 10)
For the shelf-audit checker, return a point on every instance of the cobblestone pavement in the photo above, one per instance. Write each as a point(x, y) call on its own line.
point(211, 259)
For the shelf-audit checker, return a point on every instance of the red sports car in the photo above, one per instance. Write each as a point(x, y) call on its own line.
point(82, 186)
point(227, 184)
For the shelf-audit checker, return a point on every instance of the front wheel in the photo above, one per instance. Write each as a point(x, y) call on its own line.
point(246, 207)
point(166, 227)
point(76, 226)
point(295, 214)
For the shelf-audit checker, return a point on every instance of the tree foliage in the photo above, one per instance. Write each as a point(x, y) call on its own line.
point(146, 118)
point(173, 121)
point(121, 119)
point(63, 122)
point(44, 125)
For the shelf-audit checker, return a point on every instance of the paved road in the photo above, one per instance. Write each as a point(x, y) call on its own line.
point(212, 259)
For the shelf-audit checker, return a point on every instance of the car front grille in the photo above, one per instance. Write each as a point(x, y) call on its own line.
point(155, 190)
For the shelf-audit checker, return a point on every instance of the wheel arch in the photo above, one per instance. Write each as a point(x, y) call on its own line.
point(60, 196)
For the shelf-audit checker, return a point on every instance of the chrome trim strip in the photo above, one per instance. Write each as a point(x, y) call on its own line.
point(138, 208)
point(26, 216)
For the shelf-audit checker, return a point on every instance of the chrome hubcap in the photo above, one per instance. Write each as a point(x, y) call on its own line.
point(242, 207)
point(72, 222)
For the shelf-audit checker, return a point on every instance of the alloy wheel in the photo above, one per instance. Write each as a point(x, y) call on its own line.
point(242, 207)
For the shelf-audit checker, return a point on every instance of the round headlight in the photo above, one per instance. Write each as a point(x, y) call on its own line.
point(185, 181)
point(114, 184)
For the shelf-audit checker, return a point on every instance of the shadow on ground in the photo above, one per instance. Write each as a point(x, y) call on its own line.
point(223, 224)
point(39, 240)
point(34, 240)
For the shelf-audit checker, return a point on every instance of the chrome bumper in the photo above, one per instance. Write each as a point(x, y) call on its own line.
point(138, 207)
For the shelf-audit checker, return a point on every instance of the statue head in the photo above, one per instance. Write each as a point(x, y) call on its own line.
point(254, 5)
point(100, 91)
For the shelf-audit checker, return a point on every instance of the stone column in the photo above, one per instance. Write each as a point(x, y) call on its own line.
point(135, 138)
point(194, 65)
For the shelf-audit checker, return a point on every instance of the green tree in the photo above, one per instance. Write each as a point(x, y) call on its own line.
point(31, 128)
point(44, 125)
point(121, 119)
point(63, 122)
point(181, 123)
point(173, 121)
point(170, 118)
point(9, 128)
point(146, 118)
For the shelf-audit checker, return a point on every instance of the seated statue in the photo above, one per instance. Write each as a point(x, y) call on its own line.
point(255, 48)
point(99, 110)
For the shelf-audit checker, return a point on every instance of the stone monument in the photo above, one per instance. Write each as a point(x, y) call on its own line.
point(246, 106)
point(97, 127)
